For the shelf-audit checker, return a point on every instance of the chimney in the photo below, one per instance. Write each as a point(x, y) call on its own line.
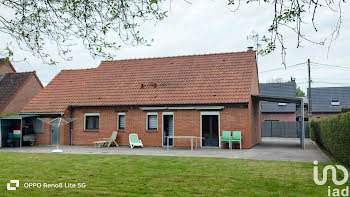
point(250, 48)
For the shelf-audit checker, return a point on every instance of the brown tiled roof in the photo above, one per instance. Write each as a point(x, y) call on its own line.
point(196, 79)
point(9, 84)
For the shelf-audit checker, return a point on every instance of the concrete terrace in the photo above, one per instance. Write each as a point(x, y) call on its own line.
point(283, 149)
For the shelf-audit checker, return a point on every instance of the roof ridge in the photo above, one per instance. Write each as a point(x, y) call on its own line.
point(278, 82)
point(330, 87)
point(176, 56)
point(81, 69)
point(22, 72)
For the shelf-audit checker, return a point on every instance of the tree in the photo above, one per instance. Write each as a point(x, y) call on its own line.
point(98, 24)
point(289, 16)
point(300, 93)
point(104, 26)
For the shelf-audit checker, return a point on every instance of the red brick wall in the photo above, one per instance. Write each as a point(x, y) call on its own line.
point(255, 116)
point(23, 95)
point(45, 137)
point(255, 122)
point(186, 122)
point(236, 118)
point(317, 114)
point(64, 130)
point(135, 122)
point(322, 114)
point(306, 113)
point(290, 116)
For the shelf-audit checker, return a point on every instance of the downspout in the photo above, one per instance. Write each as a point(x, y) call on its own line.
point(71, 126)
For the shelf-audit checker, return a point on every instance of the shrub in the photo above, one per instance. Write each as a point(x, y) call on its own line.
point(333, 133)
point(314, 127)
point(344, 110)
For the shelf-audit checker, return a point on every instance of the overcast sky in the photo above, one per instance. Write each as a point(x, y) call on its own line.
point(209, 26)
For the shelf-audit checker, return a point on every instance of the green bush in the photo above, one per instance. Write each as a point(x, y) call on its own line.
point(344, 110)
point(333, 133)
point(314, 127)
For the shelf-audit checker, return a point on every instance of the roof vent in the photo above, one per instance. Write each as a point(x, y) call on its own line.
point(250, 48)
point(150, 84)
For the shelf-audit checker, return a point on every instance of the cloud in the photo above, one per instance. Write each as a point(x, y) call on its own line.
point(211, 27)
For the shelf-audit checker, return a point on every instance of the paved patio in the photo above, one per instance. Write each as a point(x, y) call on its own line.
point(284, 149)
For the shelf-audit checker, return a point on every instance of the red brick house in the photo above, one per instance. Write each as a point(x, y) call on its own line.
point(17, 89)
point(196, 95)
point(6, 66)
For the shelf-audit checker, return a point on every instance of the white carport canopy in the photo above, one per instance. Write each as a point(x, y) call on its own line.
point(295, 100)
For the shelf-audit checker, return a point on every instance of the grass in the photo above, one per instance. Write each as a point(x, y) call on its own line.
point(125, 175)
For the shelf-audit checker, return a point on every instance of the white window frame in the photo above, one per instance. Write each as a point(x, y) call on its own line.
point(121, 114)
point(171, 114)
point(282, 104)
point(215, 113)
point(151, 114)
point(91, 114)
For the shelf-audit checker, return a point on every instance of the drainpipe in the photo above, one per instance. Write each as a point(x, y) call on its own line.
point(71, 126)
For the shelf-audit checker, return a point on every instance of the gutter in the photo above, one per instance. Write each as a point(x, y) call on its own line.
point(160, 104)
point(71, 110)
point(42, 113)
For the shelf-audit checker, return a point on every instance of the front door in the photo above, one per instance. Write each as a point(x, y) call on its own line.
point(210, 130)
point(55, 132)
point(168, 129)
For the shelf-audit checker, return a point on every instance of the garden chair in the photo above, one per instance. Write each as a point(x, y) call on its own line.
point(237, 138)
point(134, 140)
point(109, 140)
point(225, 138)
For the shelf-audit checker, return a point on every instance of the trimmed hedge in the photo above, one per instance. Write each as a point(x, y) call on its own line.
point(344, 110)
point(333, 134)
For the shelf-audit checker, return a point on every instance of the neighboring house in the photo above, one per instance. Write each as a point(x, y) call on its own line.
point(16, 89)
point(6, 66)
point(196, 95)
point(306, 108)
point(329, 100)
point(278, 111)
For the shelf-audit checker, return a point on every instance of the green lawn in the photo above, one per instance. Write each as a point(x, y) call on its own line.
point(125, 175)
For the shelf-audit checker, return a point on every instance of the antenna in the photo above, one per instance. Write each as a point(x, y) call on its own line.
point(255, 37)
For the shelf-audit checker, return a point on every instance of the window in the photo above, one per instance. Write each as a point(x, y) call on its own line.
point(152, 121)
point(305, 107)
point(282, 104)
point(335, 103)
point(121, 121)
point(38, 125)
point(92, 121)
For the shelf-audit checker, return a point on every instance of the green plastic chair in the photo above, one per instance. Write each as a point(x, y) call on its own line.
point(225, 138)
point(237, 138)
point(134, 140)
